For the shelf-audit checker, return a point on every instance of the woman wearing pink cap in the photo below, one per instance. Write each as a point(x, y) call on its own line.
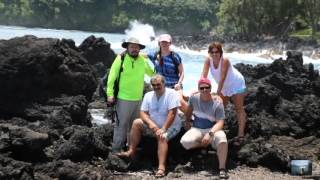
point(168, 63)
point(230, 82)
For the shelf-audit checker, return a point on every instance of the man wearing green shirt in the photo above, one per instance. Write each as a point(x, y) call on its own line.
point(131, 86)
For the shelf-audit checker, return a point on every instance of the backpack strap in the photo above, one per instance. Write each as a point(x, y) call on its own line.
point(175, 61)
point(123, 55)
point(117, 81)
point(174, 58)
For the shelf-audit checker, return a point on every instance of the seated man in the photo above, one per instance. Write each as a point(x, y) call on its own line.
point(207, 125)
point(159, 114)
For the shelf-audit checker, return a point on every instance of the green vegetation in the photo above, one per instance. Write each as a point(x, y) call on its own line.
point(306, 33)
point(244, 19)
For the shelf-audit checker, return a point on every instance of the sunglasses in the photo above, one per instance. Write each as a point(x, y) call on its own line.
point(156, 85)
point(206, 87)
point(213, 52)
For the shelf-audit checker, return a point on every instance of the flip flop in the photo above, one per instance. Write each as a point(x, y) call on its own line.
point(160, 173)
point(125, 154)
point(223, 174)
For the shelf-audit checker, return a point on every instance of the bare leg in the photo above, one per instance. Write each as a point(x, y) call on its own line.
point(162, 153)
point(222, 152)
point(225, 100)
point(135, 137)
point(238, 101)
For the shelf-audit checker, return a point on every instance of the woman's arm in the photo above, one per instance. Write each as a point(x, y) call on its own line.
point(206, 67)
point(181, 73)
point(188, 115)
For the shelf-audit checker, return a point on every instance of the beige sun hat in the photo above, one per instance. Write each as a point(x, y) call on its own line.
point(132, 40)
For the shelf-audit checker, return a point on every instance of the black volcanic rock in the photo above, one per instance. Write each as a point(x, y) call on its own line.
point(36, 69)
point(98, 53)
point(66, 169)
point(59, 112)
point(13, 169)
point(79, 147)
point(283, 109)
point(287, 96)
point(24, 143)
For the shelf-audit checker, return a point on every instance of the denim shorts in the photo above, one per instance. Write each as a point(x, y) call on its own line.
point(171, 132)
point(240, 91)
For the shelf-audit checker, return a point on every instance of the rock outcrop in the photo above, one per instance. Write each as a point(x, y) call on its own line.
point(46, 130)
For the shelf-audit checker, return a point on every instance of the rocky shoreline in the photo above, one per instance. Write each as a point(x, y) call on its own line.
point(269, 45)
point(46, 130)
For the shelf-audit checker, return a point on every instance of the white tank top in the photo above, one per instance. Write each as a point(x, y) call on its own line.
point(234, 82)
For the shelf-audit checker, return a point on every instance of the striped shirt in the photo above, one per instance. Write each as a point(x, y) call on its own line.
point(167, 67)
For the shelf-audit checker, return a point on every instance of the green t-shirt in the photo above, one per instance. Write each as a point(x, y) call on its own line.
point(131, 79)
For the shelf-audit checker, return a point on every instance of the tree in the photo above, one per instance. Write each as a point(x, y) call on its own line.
point(311, 13)
point(253, 18)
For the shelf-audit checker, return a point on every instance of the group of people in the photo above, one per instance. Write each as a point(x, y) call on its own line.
point(157, 111)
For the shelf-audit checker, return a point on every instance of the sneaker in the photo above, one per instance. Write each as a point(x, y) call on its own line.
point(223, 174)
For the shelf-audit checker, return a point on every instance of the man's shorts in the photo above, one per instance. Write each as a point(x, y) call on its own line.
point(192, 138)
point(171, 132)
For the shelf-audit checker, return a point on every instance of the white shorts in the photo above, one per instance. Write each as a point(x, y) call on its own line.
point(192, 138)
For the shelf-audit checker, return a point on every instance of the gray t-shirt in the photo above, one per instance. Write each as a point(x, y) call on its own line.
point(206, 113)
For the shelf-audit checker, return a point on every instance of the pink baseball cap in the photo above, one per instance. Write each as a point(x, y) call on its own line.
point(204, 80)
point(165, 37)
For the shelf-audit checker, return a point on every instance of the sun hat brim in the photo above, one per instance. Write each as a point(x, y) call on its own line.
point(132, 40)
point(125, 45)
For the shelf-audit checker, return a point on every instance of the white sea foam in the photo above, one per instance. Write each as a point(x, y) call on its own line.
point(98, 116)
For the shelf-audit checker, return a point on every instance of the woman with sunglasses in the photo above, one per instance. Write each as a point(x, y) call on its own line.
point(230, 82)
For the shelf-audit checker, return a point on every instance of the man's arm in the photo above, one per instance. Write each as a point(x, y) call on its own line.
point(218, 126)
point(170, 118)
point(180, 68)
point(219, 115)
point(113, 74)
point(146, 119)
point(148, 69)
point(207, 137)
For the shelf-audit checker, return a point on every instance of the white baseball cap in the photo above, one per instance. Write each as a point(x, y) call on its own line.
point(165, 37)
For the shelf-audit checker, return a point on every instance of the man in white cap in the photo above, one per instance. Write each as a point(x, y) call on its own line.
point(131, 85)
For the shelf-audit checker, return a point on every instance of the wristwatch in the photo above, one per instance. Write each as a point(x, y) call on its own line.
point(211, 133)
